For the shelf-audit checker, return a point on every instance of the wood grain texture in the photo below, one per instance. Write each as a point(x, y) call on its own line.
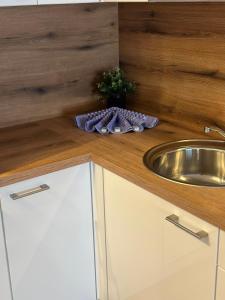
point(50, 56)
point(175, 53)
point(49, 145)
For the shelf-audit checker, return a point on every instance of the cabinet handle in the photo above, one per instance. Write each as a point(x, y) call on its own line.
point(175, 220)
point(41, 188)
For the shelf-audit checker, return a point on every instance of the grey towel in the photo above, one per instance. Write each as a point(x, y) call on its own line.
point(115, 120)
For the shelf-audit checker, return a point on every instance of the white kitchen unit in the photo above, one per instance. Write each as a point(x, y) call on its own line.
point(48, 225)
point(17, 2)
point(5, 290)
point(148, 257)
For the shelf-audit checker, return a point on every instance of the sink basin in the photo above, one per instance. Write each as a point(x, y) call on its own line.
point(195, 162)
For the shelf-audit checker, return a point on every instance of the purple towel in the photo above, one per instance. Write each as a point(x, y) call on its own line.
point(115, 120)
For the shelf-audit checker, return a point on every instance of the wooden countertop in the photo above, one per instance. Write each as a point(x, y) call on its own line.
point(38, 148)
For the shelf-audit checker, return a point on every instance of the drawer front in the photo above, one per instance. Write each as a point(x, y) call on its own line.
point(49, 236)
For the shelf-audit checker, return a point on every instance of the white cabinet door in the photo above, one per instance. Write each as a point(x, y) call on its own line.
point(150, 258)
point(17, 2)
point(49, 237)
point(5, 292)
point(220, 292)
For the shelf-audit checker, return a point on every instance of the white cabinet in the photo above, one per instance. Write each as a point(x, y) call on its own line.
point(220, 292)
point(17, 2)
point(49, 236)
point(149, 257)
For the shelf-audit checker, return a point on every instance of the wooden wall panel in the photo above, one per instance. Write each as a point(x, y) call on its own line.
point(49, 56)
point(176, 54)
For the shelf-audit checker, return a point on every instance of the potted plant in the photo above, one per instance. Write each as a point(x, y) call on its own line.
point(114, 88)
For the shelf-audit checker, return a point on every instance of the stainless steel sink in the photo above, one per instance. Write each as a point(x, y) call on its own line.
point(195, 162)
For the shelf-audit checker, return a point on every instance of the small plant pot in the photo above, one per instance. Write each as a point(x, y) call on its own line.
point(116, 100)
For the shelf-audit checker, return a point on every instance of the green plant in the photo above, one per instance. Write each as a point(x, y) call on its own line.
point(113, 83)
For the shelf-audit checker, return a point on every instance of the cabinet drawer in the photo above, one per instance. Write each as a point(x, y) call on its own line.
point(58, 183)
point(220, 291)
point(49, 236)
point(222, 249)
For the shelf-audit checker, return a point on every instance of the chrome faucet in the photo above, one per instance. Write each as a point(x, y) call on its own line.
point(214, 128)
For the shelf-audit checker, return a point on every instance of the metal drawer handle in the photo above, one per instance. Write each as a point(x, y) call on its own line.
point(41, 188)
point(175, 220)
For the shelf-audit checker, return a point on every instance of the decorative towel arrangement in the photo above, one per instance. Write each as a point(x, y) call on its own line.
point(115, 120)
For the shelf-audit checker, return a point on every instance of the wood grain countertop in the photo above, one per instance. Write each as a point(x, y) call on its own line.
point(38, 148)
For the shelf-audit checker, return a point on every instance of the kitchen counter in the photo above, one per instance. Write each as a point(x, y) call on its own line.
point(38, 148)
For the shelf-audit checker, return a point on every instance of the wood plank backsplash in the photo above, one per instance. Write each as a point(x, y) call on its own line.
point(49, 56)
point(176, 54)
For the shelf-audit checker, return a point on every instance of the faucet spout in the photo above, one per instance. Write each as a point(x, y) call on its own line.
point(215, 129)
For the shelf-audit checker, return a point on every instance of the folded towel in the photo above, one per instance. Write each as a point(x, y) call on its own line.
point(115, 120)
